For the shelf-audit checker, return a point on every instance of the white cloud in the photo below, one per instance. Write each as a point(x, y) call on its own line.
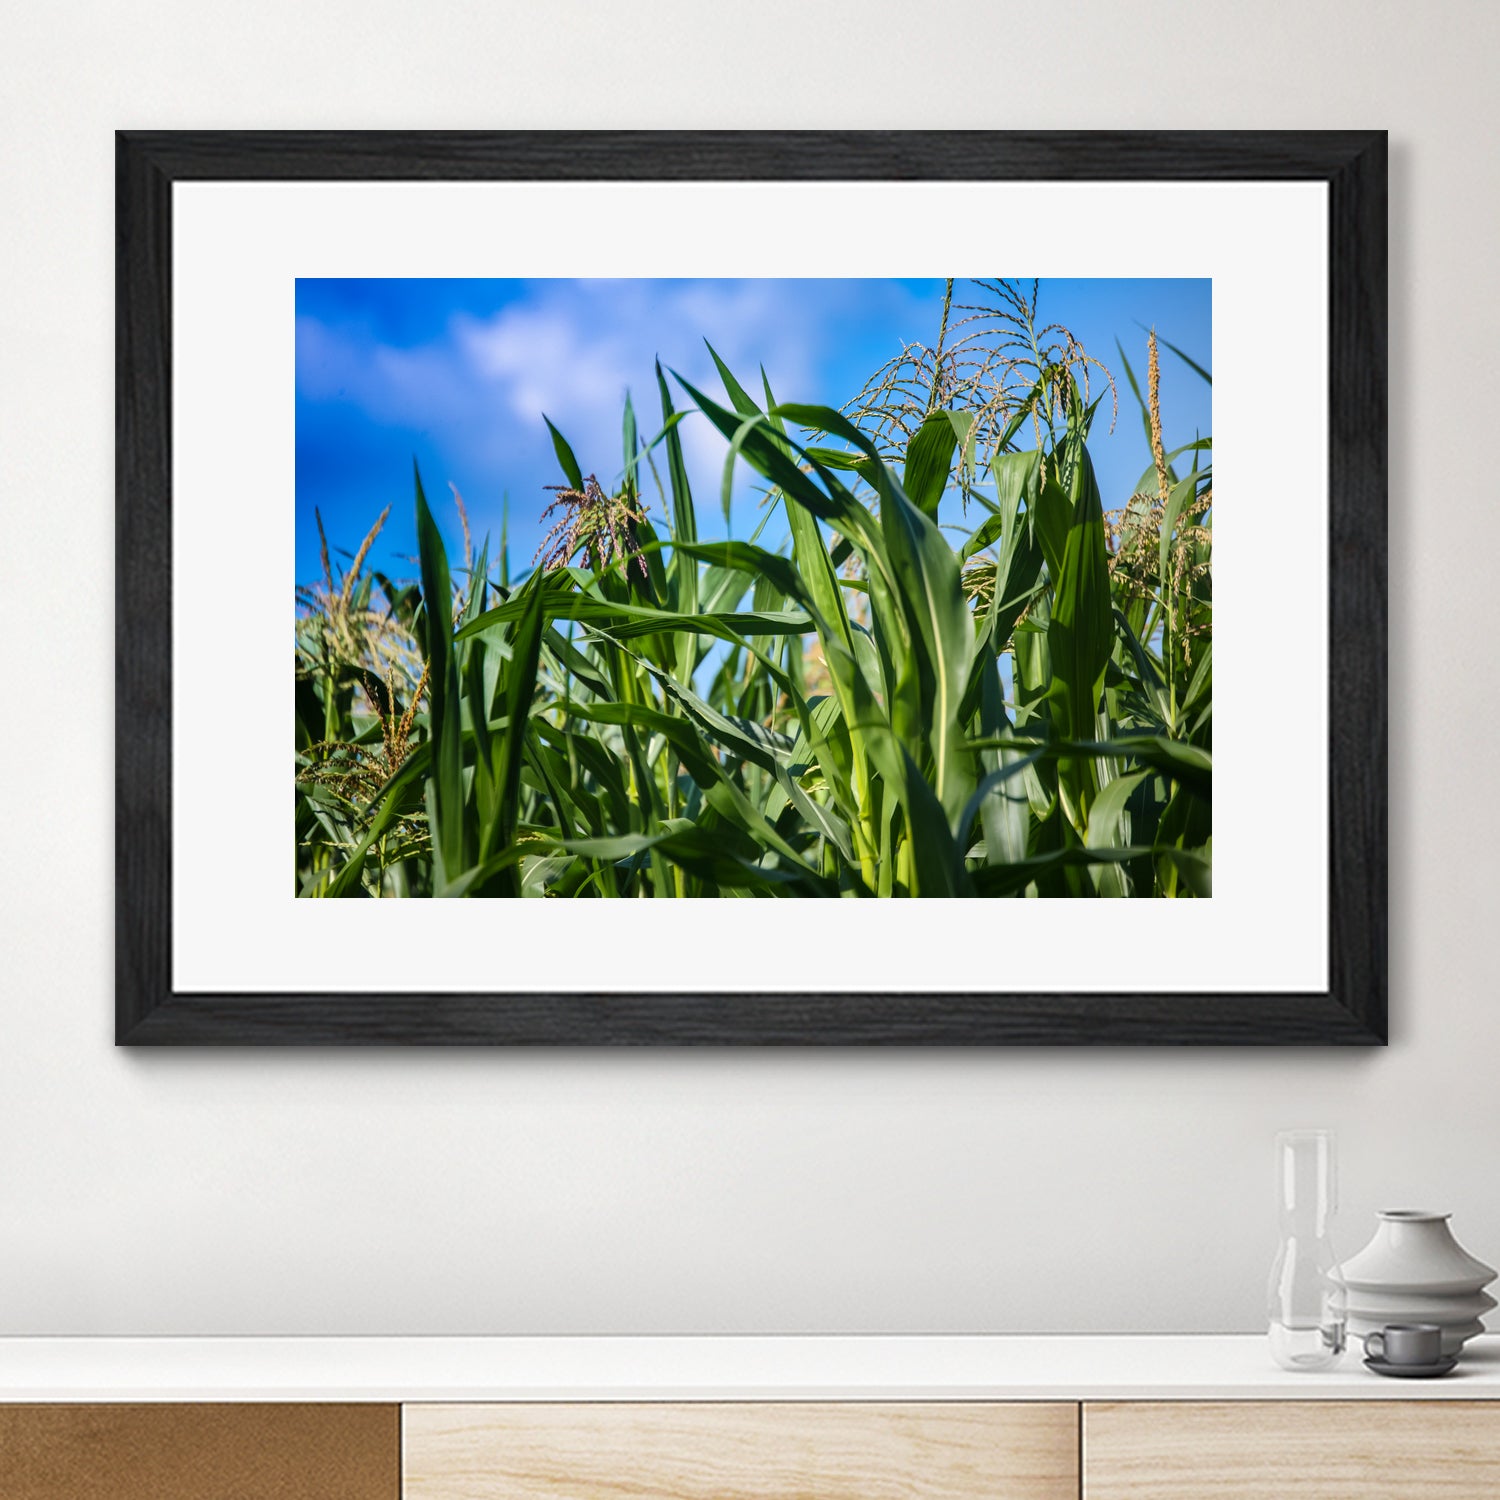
point(571, 349)
point(542, 360)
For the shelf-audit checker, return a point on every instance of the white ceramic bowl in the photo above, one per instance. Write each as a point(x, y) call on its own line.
point(1398, 1307)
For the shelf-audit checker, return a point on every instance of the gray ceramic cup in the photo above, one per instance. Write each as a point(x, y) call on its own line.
point(1406, 1344)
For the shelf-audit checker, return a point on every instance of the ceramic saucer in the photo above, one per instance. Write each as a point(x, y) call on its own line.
point(1412, 1372)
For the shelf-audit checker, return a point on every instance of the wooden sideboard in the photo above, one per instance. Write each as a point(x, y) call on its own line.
point(1312, 1450)
point(943, 1450)
point(193, 1451)
point(1067, 1418)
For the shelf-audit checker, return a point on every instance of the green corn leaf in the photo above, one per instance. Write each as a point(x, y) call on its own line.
point(1004, 807)
point(630, 442)
point(625, 621)
point(1200, 688)
point(723, 590)
point(1080, 636)
point(1192, 364)
point(707, 853)
point(684, 571)
point(1180, 495)
point(571, 472)
point(1148, 483)
point(781, 572)
point(448, 841)
point(739, 397)
point(1012, 880)
point(1139, 399)
point(937, 861)
point(984, 535)
point(965, 433)
point(929, 460)
point(1194, 868)
point(1190, 765)
point(837, 458)
point(927, 575)
point(1106, 817)
point(518, 691)
point(989, 784)
point(1052, 519)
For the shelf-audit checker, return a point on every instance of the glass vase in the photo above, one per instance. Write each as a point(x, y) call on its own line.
point(1306, 1301)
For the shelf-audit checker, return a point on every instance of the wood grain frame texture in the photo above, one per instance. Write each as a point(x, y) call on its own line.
point(1350, 1011)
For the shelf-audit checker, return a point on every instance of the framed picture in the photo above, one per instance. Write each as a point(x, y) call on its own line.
point(722, 611)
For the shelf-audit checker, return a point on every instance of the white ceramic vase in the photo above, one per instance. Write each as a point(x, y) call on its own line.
point(1414, 1270)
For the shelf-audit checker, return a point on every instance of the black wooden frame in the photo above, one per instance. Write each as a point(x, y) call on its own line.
point(1351, 1011)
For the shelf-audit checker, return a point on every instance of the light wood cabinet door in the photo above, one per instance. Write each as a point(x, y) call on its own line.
point(1291, 1450)
point(741, 1451)
point(240, 1451)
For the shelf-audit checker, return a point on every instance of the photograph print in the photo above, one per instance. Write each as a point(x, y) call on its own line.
point(731, 588)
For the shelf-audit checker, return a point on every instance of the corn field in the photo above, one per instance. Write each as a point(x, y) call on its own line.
point(1014, 701)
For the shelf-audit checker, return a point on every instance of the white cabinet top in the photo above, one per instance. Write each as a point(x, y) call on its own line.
point(718, 1368)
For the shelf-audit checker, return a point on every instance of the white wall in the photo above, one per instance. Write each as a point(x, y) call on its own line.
point(264, 1191)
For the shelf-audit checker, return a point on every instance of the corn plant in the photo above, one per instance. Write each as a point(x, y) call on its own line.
point(872, 710)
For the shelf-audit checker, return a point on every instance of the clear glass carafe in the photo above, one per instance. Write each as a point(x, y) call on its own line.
point(1306, 1301)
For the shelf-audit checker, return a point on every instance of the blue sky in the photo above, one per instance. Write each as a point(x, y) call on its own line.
point(458, 373)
